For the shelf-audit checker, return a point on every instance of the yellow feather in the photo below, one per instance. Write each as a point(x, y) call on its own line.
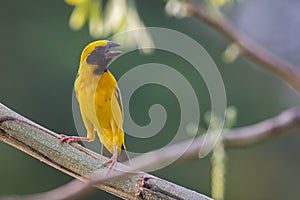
point(99, 102)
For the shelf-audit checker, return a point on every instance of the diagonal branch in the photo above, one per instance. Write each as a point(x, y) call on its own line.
point(78, 161)
point(287, 72)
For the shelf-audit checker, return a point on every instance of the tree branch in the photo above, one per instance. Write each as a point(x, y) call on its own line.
point(262, 131)
point(287, 72)
point(80, 162)
point(232, 138)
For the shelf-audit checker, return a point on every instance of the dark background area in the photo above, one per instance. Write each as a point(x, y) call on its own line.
point(39, 61)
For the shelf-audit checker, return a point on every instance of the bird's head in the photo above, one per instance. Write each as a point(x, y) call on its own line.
point(99, 54)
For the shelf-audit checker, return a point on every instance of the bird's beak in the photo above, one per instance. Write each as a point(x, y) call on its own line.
point(111, 44)
point(110, 54)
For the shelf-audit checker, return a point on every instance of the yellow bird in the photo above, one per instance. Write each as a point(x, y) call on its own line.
point(100, 101)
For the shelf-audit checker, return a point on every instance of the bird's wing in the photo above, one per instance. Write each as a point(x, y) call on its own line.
point(122, 157)
point(117, 93)
point(117, 107)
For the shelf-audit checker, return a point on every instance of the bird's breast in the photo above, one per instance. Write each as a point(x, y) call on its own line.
point(94, 93)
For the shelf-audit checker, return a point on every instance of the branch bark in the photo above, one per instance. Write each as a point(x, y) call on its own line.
point(79, 162)
point(287, 72)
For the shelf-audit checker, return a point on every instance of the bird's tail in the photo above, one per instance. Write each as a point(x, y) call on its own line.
point(122, 157)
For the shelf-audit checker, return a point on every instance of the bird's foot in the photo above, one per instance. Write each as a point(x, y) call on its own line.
point(69, 139)
point(110, 163)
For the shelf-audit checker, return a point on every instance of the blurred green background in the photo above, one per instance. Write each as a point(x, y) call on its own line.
point(39, 61)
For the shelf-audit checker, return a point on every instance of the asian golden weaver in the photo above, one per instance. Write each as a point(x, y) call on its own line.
point(100, 101)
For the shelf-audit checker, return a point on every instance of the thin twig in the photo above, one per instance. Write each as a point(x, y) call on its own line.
point(232, 138)
point(265, 130)
point(287, 72)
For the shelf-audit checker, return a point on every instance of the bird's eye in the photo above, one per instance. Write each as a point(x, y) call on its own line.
point(97, 48)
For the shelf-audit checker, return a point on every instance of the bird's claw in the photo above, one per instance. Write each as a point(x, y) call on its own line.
point(66, 138)
point(70, 139)
point(112, 162)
